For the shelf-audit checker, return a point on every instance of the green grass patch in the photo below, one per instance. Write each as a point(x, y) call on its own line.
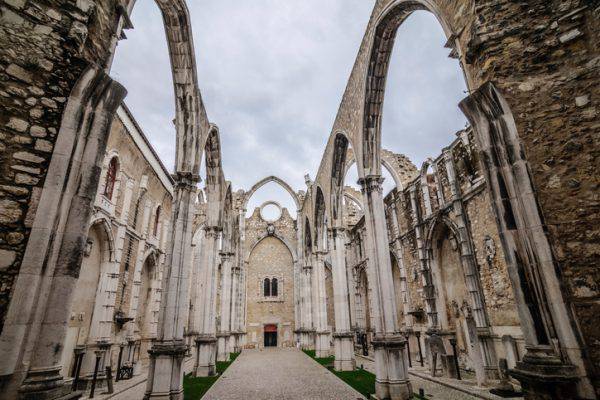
point(361, 380)
point(194, 388)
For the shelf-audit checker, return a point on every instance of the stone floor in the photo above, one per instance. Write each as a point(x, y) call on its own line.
point(438, 388)
point(279, 374)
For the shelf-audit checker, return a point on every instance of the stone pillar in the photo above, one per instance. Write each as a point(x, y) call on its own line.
point(426, 276)
point(391, 363)
point(319, 298)
point(195, 317)
point(480, 351)
point(206, 342)
point(235, 285)
point(342, 337)
point(36, 323)
point(553, 366)
point(224, 333)
point(165, 373)
point(306, 334)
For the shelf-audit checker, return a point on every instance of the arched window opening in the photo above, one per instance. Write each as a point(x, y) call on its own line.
point(156, 221)
point(271, 191)
point(422, 81)
point(274, 288)
point(111, 177)
point(267, 287)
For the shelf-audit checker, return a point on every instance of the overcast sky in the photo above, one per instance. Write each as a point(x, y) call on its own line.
point(272, 74)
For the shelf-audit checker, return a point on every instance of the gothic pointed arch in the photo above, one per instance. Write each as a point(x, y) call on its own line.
point(276, 180)
point(376, 75)
point(338, 173)
point(320, 220)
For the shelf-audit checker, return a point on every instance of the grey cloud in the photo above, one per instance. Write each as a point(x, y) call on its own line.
point(272, 74)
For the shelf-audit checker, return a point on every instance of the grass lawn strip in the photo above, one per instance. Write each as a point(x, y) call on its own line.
point(361, 380)
point(195, 387)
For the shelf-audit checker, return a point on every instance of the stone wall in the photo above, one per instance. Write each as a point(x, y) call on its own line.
point(442, 248)
point(268, 256)
point(44, 47)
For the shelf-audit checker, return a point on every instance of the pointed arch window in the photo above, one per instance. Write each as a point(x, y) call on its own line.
point(156, 221)
point(111, 177)
point(274, 287)
point(267, 287)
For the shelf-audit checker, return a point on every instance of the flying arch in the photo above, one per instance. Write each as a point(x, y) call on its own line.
point(266, 180)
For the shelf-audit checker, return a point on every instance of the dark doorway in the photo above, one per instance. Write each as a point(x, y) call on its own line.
point(270, 335)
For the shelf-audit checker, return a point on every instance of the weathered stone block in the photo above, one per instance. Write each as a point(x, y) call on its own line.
point(24, 179)
point(17, 124)
point(19, 73)
point(7, 257)
point(25, 156)
point(43, 145)
point(10, 211)
point(38, 131)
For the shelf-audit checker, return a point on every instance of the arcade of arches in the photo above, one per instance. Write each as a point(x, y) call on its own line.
point(482, 262)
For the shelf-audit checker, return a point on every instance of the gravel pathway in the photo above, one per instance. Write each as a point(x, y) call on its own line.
point(282, 374)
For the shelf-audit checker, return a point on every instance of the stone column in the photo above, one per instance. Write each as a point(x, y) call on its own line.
point(37, 321)
point(195, 318)
point(319, 297)
point(343, 344)
point(224, 333)
point(235, 285)
point(391, 363)
point(165, 372)
point(307, 330)
point(482, 349)
point(206, 342)
point(426, 276)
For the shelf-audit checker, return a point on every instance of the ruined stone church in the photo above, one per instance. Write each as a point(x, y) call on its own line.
point(481, 265)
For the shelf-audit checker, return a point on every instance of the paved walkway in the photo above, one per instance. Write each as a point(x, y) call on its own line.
point(438, 388)
point(282, 374)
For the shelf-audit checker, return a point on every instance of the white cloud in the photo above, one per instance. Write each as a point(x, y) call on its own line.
point(272, 74)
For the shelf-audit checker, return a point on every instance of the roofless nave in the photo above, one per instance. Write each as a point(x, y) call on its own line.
point(484, 257)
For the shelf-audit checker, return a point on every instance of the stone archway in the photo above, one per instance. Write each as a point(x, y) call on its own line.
point(83, 327)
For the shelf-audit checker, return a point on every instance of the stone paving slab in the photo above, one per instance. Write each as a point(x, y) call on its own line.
point(438, 388)
point(282, 374)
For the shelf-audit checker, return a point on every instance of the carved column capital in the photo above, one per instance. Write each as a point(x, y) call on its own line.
point(212, 232)
point(371, 183)
point(186, 180)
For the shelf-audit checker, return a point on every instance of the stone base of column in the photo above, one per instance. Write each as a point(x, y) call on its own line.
point(543, 376)
point(233, 342)
point(165, 373)
point(322, 345)
point(46, 384)
point(206, 349)
point(223, 346)
point(307, 341)
point(391, 364)
point(343, 350)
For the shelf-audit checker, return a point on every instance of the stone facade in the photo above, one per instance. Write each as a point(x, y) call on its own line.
point(438, 252)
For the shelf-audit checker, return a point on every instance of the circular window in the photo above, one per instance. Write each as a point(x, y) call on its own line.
point(270, 211)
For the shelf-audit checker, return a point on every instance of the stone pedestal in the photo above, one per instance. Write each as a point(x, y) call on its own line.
point(391, 368)
point(166, 371)
point(449, 366)
point(233, 343)
point(206, 355)
point(223, 349)
point(343, 348)
point(46, 384)
point(307, 341)
point(322, 347)
point(544, 376)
